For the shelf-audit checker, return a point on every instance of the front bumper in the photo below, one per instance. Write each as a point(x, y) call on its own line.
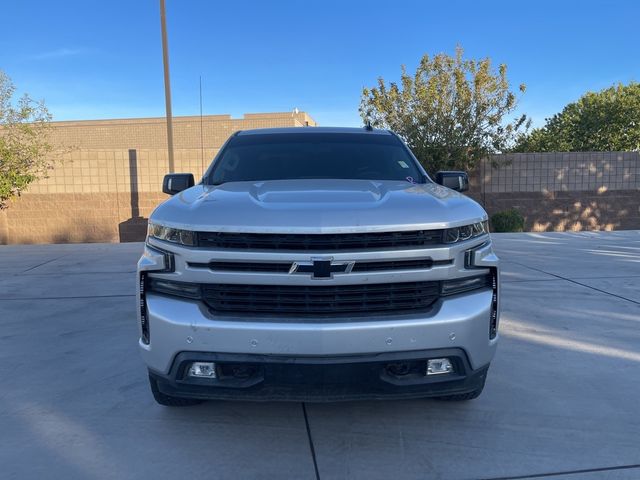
point(292, 378)
point(178, 325)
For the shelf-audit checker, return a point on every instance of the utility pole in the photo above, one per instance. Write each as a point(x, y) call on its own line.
point(167, 84)
point(201, 130)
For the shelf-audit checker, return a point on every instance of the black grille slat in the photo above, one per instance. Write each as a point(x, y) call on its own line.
point(423, 263)
point(319, 290)
point(310, 300)
point(250, 266)
point(304, 242)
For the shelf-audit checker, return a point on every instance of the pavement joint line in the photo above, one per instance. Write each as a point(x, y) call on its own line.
point(44, 263)
point(531, 280)
point(581, 284)
point(311, 446)
point(607, 276)
point(69, 298)
point(75, 273)
point(570, 279)
point(564, 473)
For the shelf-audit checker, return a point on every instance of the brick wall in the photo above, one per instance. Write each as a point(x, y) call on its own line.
point(563, 191)
point(106, 186)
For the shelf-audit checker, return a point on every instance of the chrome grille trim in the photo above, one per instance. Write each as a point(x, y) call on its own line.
point(284, 267)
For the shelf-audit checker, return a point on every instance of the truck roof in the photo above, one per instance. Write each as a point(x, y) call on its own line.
point(312, 130)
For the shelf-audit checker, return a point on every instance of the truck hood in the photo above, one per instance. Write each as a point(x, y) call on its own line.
point(317, 206)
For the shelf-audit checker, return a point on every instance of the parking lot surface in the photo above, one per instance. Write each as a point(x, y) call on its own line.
point(561, 401)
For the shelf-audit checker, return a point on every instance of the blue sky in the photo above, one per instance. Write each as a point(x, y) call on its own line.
point(102, 59)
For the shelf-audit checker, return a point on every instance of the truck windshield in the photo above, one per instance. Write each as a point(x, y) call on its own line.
point(289, 156)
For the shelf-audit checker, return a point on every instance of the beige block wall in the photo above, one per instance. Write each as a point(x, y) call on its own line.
point(561, 172)
point(109, 182)
point(561, 191)
point(106, 187)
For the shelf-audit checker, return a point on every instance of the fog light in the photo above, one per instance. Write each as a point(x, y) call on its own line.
point(203, 369)
point(437, 366)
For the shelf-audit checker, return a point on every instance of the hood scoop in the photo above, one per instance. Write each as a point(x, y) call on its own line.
point(337, 191)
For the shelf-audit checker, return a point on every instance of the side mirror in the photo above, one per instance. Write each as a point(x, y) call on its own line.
point(176, 182)
point(458, 181)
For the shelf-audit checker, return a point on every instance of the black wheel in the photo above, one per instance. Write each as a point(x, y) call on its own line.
point(461, 397)
point(169, 401)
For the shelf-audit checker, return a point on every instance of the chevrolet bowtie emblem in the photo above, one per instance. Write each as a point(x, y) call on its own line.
point(322, 267)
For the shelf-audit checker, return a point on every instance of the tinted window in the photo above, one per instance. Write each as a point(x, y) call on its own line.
point(314, 155)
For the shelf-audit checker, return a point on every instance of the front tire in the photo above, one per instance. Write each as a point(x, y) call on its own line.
point(168, 400)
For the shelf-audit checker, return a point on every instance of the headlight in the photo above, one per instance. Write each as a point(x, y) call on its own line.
point(174, 235)
point(460, 234)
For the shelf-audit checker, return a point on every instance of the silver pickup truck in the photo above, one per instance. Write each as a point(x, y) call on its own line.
point(317, 264)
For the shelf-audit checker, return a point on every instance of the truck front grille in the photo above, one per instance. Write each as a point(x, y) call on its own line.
point(360, 266)
point(321, 300)
point(308, 242)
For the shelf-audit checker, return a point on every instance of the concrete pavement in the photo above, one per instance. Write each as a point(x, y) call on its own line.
point(561, 397)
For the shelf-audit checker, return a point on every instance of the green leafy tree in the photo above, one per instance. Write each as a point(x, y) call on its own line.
point(452, 112)
point(608, 120)
point(24, 141)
